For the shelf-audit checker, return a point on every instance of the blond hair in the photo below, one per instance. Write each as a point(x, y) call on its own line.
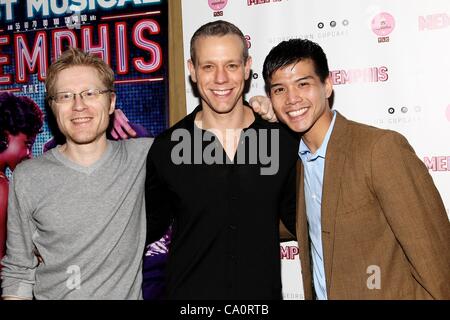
point(75, 57)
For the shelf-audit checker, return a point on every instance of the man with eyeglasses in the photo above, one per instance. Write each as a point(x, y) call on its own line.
point(80, 206)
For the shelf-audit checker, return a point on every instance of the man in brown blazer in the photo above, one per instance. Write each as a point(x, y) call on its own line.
point(370, 222)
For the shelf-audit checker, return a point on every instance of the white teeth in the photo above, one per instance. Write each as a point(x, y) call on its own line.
point(297, 113)
point(79, 120)
point(221, 92)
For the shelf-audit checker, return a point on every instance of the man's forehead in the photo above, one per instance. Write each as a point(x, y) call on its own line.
point(304, 67)
point(77, 67)
point(71, 74)
point(218, 39)
point(218, 49)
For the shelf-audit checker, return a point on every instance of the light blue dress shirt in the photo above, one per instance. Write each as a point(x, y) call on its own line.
point(314, 165)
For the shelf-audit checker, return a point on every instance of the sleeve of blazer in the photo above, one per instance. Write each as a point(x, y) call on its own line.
point(414, 211)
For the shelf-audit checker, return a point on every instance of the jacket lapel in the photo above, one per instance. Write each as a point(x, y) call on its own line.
point(334, 162)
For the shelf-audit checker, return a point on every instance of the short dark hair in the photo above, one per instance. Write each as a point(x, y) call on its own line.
point(218, 28)
point(293, 51)
point(19, 114)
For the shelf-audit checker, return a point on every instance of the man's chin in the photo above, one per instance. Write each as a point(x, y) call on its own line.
point(296, 127)
point(86, 136)
point(223, 109)
point(83, 140)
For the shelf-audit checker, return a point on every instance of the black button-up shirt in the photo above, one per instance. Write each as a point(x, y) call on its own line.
point(225, 213)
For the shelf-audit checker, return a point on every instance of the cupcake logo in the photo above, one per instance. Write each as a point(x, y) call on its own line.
point(383, 24)
point(217, 5)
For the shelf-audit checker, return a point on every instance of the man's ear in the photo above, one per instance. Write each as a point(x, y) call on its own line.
point(191, 68)
point(328, 87)
point(248, 67)
point(112, 105)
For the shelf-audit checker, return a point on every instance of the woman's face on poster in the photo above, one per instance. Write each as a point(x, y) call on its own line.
point(19, 149)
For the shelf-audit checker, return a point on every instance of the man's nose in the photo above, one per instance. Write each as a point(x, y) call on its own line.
point(78, 103)
point(293, 96)
point(221, 75)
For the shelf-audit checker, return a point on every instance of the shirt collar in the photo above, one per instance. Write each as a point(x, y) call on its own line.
point(304, 151)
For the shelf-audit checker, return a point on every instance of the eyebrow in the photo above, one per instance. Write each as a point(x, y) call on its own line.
point(296, 80)
point(207, 61)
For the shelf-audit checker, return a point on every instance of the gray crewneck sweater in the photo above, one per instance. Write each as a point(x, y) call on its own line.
point(87, 223)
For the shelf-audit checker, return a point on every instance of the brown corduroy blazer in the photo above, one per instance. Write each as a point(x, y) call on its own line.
point(385, 231)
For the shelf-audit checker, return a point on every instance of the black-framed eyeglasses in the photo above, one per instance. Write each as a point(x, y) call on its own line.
point(86, 95)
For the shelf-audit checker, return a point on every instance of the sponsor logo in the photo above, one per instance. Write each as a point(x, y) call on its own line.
point(434, 21)
point(289, 252)
point(277, 39)
point(333, 24)
point(325, 29)
point(437, 163)
point(217, 5)
point(248, 40)
point(399, 115)
point(332, 28)
point(382, 25)
point(253, 2)
point(372, 74)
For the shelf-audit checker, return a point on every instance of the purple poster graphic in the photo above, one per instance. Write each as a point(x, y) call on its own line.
point(131, 36)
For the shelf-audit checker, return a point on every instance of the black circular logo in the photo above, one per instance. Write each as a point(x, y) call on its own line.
point(391, 110)
point(333, 24)
point(320, 25)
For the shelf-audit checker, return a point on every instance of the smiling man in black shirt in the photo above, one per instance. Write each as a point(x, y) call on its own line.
point(207, 175)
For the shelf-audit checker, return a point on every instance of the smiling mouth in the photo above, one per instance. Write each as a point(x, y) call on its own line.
point(297, 113)
point(81, 120)
point(221, 93)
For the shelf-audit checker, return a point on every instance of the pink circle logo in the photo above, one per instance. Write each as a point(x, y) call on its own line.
point(217, 5)
point(447, 112)
point(383, 24)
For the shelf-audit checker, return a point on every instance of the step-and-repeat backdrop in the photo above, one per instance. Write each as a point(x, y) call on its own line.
point(389, 62)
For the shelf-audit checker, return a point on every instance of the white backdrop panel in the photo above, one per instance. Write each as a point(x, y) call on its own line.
point(389, 61)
